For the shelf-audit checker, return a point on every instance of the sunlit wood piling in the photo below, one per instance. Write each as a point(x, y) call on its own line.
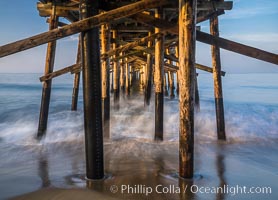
point(171, 84)
point(116, 73)
point(127, 77)
point(105, 74)
point(158, 80)
point(216, 64)
point(49, 65)
point(140, 44)
point(187, 42)
point(149, 73)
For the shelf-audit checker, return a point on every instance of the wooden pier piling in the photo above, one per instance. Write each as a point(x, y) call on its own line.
point(158, 80)
point(49, 65)
point(92, 94)
point(177, 73)
point(216, 64)
point(197, 96)
point(131, 76)
point(142, 76)
point(75, 90)
point(165, 84)
point(149, 74)
point(187, 42)
point(127, 76)
point(122, 75)
point(112, 82)
point(116, 75)
point(171, 84)
point(105, 46)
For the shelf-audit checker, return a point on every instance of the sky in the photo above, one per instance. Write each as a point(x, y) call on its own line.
point(250, 22)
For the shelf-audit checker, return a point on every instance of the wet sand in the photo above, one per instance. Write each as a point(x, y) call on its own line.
point(142, 165)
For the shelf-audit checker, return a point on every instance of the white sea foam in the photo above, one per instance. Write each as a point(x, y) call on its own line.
point(244, 121)
point(133, 121)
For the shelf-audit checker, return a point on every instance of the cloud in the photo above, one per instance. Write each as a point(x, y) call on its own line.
point(247, 9)
point(265, 41)
point(262, 37)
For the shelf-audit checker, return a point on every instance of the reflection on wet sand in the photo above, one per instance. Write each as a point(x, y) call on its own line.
point(185, 186)
point(220, 166)
point(43, 171)
point(140, 165)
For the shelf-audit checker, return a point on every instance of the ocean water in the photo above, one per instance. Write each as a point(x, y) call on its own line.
point(26, 165)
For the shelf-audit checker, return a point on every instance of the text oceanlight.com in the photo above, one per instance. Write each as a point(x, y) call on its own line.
point(194, 189)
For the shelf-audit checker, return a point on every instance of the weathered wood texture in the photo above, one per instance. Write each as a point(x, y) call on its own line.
point(61, 10)
point(209, 15)
point(198, 66)
point(224, 5)
point(105, 47)
point(218, 94)
point(116, 73)
point(122, 74)
point(187, 34)
point(178, 71)
point(83, 25)
point(141, 76)
point(158, 80)
point(105, 73)
point(210, 39)
point(149, 75)
point(237, 47)
point(166, 76)
point(208, 69)
point(171, 84)
point(169, 57)
point(127, 74)
point(46, 91)
point(92, 94)
point(72, 69)
point(60, 24)
point(75, 90)
point(131, 45)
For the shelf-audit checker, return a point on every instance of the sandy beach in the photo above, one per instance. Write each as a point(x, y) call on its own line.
point(141, 165)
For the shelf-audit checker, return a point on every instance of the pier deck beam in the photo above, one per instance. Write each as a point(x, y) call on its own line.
point(105, 44)
point(92, 94)
point(49, 65)
point(187, 43)
point(158, 81)
point(216, 65)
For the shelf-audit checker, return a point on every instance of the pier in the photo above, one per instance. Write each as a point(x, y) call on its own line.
point(122, 40)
